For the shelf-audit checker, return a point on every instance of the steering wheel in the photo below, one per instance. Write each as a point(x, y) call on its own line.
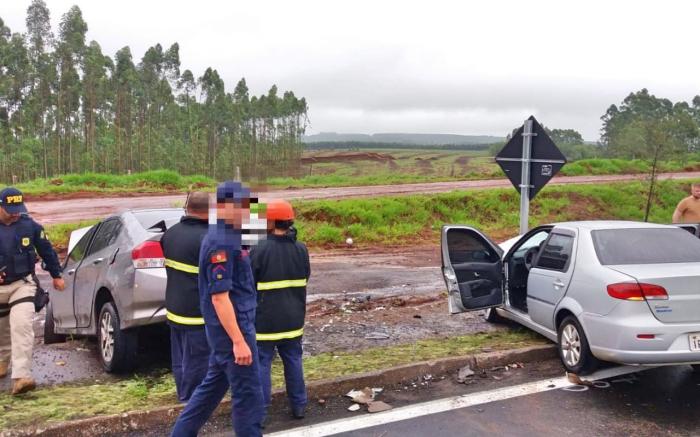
point(530, 256)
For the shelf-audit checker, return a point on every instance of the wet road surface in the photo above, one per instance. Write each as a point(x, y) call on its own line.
point(73, 210)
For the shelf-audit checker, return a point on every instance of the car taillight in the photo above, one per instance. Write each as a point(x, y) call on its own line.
point(637, 291)
point(148, 255)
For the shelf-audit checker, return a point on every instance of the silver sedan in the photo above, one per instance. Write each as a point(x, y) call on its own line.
point(624, 292)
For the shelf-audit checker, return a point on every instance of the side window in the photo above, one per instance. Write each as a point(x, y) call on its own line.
point(106, 235)
point(78, 252)
point(466, 246)
point(556, 253)
point(534, 241)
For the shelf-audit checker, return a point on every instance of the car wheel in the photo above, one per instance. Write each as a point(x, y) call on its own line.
point(117, 348)
point(50, 336)
point(574, 350)
point(492, 316)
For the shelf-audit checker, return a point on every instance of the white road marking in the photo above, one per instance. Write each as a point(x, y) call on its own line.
point(448, 404)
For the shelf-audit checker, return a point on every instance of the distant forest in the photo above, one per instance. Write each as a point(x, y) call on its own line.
point(66, 107)
point(333, 145)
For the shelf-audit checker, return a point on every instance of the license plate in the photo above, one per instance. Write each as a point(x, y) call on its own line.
point(694, 340)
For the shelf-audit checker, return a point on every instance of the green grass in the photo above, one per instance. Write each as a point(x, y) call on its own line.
point(150, 181)
point(410, 219)
point(59, 234)
point(66, 402)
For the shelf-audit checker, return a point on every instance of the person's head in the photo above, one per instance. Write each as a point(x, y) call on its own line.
point(280, 216)
point(233, 204)
point(197, 205)
point(695, 190)
point(11, 205)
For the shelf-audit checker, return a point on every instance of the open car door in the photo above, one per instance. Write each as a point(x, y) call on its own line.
point(473, 269)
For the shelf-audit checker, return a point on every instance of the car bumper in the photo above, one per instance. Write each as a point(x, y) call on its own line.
point(613, 338)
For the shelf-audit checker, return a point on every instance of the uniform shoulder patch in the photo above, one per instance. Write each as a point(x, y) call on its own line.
point(218, 256)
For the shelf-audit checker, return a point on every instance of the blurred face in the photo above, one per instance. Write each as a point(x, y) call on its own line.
point(695, 191)
point(234, 214)
point(8, 218)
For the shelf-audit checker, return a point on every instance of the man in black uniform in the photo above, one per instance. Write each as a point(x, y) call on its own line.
point(188, 340)
point(281, 270)
point(20, 240)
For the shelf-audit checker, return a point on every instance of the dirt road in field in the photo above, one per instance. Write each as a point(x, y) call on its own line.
point(72, 210)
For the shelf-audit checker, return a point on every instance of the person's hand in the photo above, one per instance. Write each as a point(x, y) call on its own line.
point(241, 354)
point(59, 284)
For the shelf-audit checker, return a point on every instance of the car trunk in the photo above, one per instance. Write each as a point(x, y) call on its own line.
point(682, 283)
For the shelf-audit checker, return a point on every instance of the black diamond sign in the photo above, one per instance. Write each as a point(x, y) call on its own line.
point(545, 158)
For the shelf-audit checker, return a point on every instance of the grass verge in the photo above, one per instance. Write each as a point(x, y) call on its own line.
point(67, 402)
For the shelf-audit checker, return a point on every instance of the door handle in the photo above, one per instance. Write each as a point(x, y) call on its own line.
point(558, 284)
point(70, 272)
point(98, 260)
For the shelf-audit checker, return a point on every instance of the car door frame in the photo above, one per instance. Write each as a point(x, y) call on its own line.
point(454, 295)
point(104, 256)
point(561, 279)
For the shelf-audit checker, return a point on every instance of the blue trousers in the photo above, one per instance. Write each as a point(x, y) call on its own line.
point(290, 352)
point(189, 352)
point(246, 394)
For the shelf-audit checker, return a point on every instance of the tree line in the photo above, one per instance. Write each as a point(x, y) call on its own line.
point(67, 107)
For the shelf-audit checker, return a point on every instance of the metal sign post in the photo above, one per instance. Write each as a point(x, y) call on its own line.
point(530, 159)
point(525, 177)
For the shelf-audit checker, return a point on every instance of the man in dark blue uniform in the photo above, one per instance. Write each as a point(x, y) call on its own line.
point(227, 300)
point(188, 342)
point(20, 240)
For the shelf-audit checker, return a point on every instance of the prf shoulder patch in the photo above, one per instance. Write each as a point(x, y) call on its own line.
point(218, 257)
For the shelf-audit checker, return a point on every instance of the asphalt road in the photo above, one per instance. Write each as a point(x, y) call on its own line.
point(73, 210)
point(655, 402)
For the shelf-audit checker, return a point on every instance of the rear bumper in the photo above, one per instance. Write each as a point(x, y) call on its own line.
point(613, 338)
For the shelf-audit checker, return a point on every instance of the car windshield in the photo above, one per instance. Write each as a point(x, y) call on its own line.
point(645, 246)
point(152, 218)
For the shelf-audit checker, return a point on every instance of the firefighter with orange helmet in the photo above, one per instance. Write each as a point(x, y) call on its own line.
point(281, 271)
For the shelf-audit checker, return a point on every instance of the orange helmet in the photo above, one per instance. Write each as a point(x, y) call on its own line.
point(279, 209)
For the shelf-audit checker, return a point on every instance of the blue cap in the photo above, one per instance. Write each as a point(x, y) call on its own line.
point(231, 191)
point(12, 201)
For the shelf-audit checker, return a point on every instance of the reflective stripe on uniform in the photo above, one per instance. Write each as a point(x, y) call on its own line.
point(280, 335)
point(184, 320)
point(181, 266)
point(276, 285)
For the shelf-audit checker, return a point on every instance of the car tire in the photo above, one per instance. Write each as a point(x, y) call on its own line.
point(574, 351)
point(50, 336)
point(116, 347)
point(492, 316)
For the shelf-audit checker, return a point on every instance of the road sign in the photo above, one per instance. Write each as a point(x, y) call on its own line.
point(530, 159)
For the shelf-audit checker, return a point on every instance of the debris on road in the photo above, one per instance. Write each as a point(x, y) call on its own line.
point(322, 402)
point(377, 336)
point(575, 379)
point(354, 407)
point(378, 407)
point(364, 396)
point(464, 373)
point(60, 363)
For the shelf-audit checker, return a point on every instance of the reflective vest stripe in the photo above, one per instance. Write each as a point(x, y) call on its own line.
point(184, 320)
point(280, 335)
point(276, 285)
point(181, 266)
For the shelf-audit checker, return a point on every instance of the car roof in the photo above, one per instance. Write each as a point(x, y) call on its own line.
point(612, 224)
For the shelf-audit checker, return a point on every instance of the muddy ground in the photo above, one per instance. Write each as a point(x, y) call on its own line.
point(76, 207)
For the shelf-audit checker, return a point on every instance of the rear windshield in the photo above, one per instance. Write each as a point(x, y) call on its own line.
point(646, 246)
point(149, 219)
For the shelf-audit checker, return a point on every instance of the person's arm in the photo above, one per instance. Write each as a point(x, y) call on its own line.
point(227, 316)
point(48, 255)
point(678, 213)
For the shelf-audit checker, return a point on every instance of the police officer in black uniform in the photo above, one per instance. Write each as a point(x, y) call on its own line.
point(20, 240)
point(188, 340)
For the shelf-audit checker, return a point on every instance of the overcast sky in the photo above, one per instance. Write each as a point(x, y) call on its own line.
point(478, 67)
